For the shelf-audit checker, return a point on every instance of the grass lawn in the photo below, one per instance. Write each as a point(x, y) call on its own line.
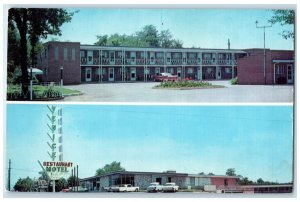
point(185, 85)
point(38, 89)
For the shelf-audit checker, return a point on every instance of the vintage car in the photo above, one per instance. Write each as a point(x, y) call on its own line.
point(125, 188)
point(165, 77)
point(170, 187)
point(110, 188)
point(154, 187)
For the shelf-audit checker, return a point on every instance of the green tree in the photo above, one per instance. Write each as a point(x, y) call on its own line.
point(13, 59)
point(102, 40)
point(230, 172)
point(260, 181)
point(165, 38)
point(109, 168)
point(149, 35)
point(211, 174)
point(284, 17)
point(176, 43)
point(72, 181)
point(245, 181)
point(32, 24)
point(24, 185)
point(60, 184)
point(202, 173)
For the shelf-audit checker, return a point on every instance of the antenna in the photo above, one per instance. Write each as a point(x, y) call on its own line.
point(228, 44)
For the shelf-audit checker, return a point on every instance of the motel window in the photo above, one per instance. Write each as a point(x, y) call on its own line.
point(142, 55)
point(104, 71)
point(169, 179)
point(119, 54)
point(152, 59)
point(209, 70)
point(73, 54)
point(171, 70)
point(199, 59)
point(176, 55)
point(280, 70)
point(82, 54)
point(147, 71)
point(168, 59)
point(190, 70)
point(112, 55)
point(228, 70)
point(160, 55)
point(65, 54)
point(56, 53)
point(192, 55)
point(207, 56)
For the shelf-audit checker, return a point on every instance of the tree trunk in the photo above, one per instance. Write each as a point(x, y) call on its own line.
point(23, 52)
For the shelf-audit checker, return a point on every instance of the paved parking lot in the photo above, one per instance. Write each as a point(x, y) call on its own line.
point(143, 92)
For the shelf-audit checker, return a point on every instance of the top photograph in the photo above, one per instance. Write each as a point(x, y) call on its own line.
point(151, 55)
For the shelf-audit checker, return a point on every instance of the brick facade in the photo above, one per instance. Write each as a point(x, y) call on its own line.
point(57, 54)
point(250, 69)
point(86, 63)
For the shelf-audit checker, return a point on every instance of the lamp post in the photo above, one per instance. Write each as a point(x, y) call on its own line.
point(264, 27)
point(61, 79)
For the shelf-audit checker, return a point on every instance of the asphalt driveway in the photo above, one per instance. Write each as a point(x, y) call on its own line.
point(143, 92)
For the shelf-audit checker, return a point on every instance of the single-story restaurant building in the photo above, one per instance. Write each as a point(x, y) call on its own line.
point(77, 63)
point(143, 180)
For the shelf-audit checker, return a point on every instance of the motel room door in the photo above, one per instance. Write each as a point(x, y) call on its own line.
point(132, 74)
point(179, 72)
point(88, 74)
point(290, 76)
point(111, 74)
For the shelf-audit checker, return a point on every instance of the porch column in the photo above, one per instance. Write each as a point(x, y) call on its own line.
point(232, 72)
point(200, 73)
point(218, 72)
point(101, 68)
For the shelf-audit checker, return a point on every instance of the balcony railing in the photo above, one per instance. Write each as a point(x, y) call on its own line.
point(158, 61)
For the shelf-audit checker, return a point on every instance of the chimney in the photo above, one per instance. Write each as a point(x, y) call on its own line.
point(228, 44)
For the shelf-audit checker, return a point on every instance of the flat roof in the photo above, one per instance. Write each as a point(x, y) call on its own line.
point(266, 185)
point(90, 47)
point(160, 173)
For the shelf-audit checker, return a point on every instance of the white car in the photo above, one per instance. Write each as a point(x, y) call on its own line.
point(125, 188)
point(154, 187)
point(170, 187)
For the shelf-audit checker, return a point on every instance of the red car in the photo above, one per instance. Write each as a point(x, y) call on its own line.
point(166, 77)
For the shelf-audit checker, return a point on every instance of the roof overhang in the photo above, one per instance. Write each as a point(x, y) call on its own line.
point(283, 61)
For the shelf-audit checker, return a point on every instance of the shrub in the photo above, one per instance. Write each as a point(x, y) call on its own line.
point(234, 81)
point(281, 80)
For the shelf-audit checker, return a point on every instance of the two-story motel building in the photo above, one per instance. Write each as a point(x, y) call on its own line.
point(97, 64)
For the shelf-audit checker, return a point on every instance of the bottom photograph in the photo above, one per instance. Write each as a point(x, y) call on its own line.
point(148, 150)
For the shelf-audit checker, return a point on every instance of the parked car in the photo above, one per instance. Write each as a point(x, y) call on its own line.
point(154, 187)
point(170, 187)
point(166, 77)
point(110, 188)
point(125, 188)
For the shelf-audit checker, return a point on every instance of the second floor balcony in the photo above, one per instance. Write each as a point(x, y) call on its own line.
point(154, 61)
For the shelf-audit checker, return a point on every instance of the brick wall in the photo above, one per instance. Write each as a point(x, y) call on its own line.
point(71, 68)
point(250, 69)
point(142, 181)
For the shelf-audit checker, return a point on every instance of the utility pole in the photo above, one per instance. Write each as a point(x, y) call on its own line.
point(264, 27)
point(77, 180)
point(9, 170)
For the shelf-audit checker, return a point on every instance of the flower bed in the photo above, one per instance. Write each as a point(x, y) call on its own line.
point(186, 84)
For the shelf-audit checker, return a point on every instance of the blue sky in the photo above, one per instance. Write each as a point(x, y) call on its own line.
point(205, 28)
point(255, 140)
